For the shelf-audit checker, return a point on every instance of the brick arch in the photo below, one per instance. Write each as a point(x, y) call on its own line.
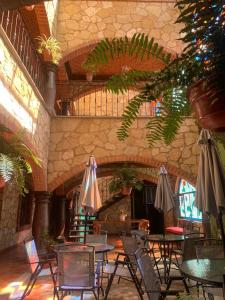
point(142, 160)
point(38, 173)
point(105, 173)
point(86, 47)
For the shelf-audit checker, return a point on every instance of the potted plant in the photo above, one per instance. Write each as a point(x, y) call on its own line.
point(50, 48)
point(123, 215)
point(15, 159)
point(197, 73)
point(124, 180)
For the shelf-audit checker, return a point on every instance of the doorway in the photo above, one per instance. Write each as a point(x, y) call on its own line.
point(143, 207)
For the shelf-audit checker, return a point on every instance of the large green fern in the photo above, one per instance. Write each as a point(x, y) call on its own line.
point(139, 46)
point(164, 84)
point(14, 155)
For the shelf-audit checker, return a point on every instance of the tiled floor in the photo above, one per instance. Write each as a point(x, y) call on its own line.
point(14, 271)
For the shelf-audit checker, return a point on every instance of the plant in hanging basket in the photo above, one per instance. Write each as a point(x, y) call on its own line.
point(50, 48)
point(124, 180)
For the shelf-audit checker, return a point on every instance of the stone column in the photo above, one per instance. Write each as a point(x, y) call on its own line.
point(41, 214)
point(50, 88)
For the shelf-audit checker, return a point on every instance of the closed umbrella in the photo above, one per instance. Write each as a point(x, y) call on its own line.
point(89, 192)
point(164, 199)
point(210, 186)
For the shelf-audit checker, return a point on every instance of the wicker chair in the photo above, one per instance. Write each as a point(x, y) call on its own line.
point(37, 266)
point(77, 272)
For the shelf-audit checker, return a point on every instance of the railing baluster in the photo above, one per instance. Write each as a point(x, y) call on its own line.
point(12, 24)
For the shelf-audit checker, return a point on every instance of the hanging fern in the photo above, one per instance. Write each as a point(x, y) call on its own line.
point(13, 158)
point(173, 110)
point(139, 46)
point(121, 83)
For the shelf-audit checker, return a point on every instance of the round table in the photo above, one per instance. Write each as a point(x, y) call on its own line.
point(166, 243)
point(208, 271)
point(99, 248)
point(164, 238)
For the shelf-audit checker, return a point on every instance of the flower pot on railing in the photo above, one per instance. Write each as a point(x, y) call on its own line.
point(207, 98)
point(2, 183)
point(123, 216)
point(126, 190)
point(50, 89)
point(89, 76)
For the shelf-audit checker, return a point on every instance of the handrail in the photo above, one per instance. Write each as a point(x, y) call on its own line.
point(13, 25)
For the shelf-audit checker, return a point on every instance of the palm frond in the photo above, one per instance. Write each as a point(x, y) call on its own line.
point(139, 46)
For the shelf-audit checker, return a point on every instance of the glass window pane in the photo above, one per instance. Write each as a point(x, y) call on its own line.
point(186, 201)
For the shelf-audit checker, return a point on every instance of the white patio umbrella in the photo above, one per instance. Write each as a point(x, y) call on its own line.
point(89, 192)
point(210, 186)
point(164, 199)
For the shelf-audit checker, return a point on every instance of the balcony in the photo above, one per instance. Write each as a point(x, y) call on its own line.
point(13, 29)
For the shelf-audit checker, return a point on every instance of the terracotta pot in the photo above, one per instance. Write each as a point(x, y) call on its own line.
point(123, 217)
point(126, 190)
point(208, 102)
point(89, 76)
point(29, 7)
point(2, 183)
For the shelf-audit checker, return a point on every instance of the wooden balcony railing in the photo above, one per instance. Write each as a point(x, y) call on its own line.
point(13, 26)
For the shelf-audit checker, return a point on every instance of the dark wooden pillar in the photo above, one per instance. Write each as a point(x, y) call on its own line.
point(41, 214)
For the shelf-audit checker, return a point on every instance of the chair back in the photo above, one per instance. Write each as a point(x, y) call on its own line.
point(76, 267)
point(32, 255)
point(151, 282)
point(189, 251)
point(130, 246)
point(139, 235)
point(209, 248)
point(96, 238)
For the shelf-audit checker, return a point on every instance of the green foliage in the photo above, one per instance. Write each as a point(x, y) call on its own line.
point(125, 177)
point(203, 32)
point(139, 46)
point(204, 35)
point(14, 158)
point(51, 45)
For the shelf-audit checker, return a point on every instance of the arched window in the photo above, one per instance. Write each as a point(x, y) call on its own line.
point(187, 209)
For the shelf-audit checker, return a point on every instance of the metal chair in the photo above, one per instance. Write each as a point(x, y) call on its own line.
point(37, 266)
point(149, 278)
point(125, 265)
point(209, 248)
point(188, 248)
point(101, 239)
point(76, 271)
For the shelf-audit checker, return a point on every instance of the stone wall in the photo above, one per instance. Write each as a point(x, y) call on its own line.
point(21, 107)
point(82, 22)
point(8, 216)
point(113, 214)
point(73, 139)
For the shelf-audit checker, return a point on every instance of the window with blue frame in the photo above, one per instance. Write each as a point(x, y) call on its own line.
point(187, 209)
